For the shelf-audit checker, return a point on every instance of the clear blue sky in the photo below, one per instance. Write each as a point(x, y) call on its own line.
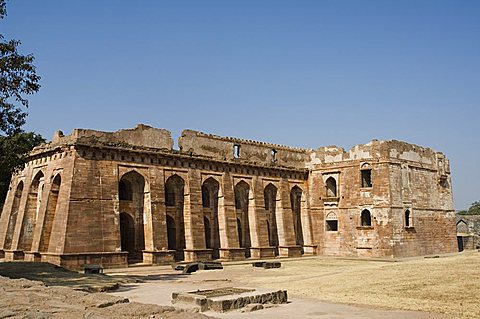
point(302, 73)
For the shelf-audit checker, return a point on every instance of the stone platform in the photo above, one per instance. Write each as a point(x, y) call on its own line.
point(228, 298)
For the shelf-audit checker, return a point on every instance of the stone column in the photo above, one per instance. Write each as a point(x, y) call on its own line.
point(227, 221)
point(258, 232)
point(12, 253)
point(286, 233)
point(195, 248)
point(5, 217)
point(308, 246)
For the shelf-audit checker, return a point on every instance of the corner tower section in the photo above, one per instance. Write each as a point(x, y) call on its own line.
point(381, 199)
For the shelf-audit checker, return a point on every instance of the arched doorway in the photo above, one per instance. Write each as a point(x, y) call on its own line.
point(296, 203)
point(242, 191)
point(210, 189)
point(270, 199)
point(52, 208)
point(131, 194)
point(127, 233)
point(31, 212)
point(174, 201)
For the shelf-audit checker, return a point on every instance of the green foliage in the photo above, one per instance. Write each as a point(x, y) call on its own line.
point(3, 11)
point(474, 209)
point(17, 79)
point(13, 155)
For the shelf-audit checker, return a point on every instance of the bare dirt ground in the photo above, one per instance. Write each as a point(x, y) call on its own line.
point(449, 285)
point(318, 287)
point(444, 287)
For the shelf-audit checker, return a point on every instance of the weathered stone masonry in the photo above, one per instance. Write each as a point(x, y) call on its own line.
point(128, 196)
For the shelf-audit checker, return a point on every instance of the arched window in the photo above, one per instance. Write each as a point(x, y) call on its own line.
point(331, 222)
point(331, 187)
point(366, 218)
point(462, 228)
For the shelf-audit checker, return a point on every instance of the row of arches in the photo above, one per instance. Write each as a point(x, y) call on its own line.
point(30, 220)
point(132, 189)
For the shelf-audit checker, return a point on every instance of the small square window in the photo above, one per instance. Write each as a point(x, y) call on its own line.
point(332, 225)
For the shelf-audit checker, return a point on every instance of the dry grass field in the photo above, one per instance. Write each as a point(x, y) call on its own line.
point(449, 284)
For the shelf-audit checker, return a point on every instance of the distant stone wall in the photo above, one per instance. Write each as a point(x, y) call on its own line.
point(468, 231)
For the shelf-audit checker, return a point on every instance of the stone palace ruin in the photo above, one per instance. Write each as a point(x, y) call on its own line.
point(106, 198)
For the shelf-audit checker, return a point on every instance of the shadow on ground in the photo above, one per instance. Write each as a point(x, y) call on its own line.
point(53, 275)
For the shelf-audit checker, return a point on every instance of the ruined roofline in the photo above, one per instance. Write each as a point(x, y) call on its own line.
point(79, 133)
point(144, 137)
point(391, 144)
point(237, 140)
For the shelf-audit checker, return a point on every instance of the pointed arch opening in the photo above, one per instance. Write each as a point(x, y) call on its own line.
point(210, 189)
point(366, 218)
point(12, 221)
point(32, 209)
point(331, 187)
point(131, 193)
point(242, 195)
point(174, 201)
point(462, 227)
point(270, 198)
point(296, 204)
point(52, 208)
